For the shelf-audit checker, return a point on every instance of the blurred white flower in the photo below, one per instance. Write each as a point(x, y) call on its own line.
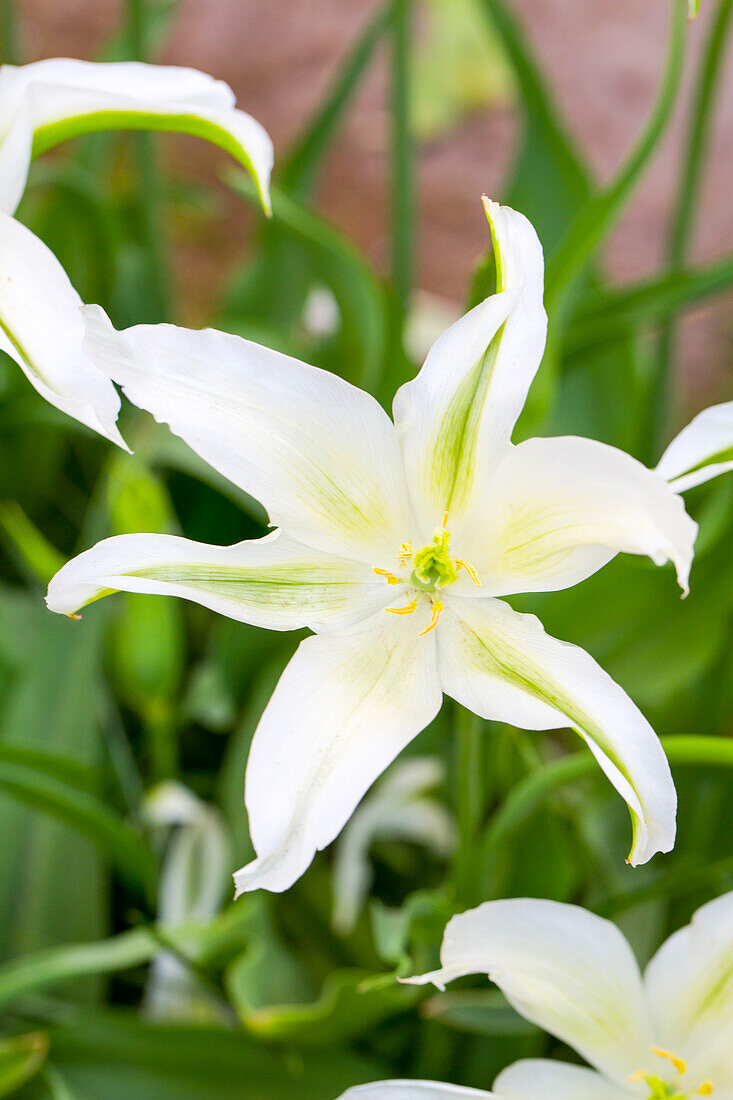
point(47, 102)
point(192, 885)
point(665, 1036)
point(396, 541)
point(701, 451)
point(397, 809)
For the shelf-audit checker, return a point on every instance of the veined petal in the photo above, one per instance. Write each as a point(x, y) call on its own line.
point(64, 98)
point(701, 451)
point(273, 582)
point(563, 968)
point(540, 1079)
point(343, 709)
point(412, 1090)
point(689, 985)
point(320, 454)
point(42, 329)
point(456, 417)
point(503, 666)
point(556, 510)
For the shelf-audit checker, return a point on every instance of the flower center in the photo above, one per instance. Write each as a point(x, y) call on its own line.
point(430, 569)
point(662, 1090)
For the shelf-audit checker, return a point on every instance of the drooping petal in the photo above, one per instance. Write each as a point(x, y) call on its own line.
point(689, 985)
point(396, 808)
point(540, 1079)
point(343, 709)
point(567, 970)
point(320, 454)
point(50, 101)
point(412, 1090)
point(503, 666)
point(456, 417)
point(557, 510)
point(701, 451)
point(273, 582)
point(42, 329)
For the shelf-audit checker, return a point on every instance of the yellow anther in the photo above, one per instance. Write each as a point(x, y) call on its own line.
point(460, 564)
point(640, 1075)
point(706, 1089)
point(444, 524)
point(437, 609)
point(389, 577)
point(679, 1063)
point(405, 553)
point(406, 610)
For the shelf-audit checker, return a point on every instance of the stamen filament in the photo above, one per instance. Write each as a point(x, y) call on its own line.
point(437, 610)
point(679, 1063)
point(460, 564)
point(389, 577)
point(406, 610)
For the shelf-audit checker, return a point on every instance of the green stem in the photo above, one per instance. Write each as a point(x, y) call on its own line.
point(150, 203)
point(703, 113)
point(403, 183)
point(599, 214)
point(9, 33)
point(528, 795)
point(468, 798)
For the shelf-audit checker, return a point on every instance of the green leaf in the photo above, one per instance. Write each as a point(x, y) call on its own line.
point(20, 1059)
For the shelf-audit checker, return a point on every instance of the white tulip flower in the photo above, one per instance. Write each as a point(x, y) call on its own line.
point(47, 102)
point(665, 1036)
point(398, 808)
point(701, 451)
point(395, 542)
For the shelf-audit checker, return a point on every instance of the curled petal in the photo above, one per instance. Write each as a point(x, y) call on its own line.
point(456, 417)
point(565, 969)
point(321, 455)
point(503, 666)
point(42, 329)
point(701, 451)
point(50, 101)
point(558, 509)
point(343, 709)
point(272, 582)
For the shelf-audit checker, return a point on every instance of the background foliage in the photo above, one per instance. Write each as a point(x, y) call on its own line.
point(266, 999)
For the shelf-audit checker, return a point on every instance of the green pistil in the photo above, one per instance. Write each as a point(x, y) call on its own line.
point(661, 1091)
point(433, 565)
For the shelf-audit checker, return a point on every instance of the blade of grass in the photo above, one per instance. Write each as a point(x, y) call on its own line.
point(10, 50)
point(700, 126)
point(402, 158)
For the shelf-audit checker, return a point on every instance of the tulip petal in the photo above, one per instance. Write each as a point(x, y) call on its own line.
point(689, 985)
point(565, 969)
point(321, 455)
point(503, 666)
point(42, 329)
point(273, 582)
point(343, 709)
point(557, 510)
point(456, 417)
point(701, 451)
point(64, 98)
point(412, 1090)
point(540, 1079)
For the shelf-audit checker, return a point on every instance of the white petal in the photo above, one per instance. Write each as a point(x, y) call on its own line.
point(411, 1090)
point(343, 709)
point(456, 417)
point(556, 510)
point(503, 666)
point(539, 1079)
point(67, 97)
point(16, 147)
point(396, 809)
point(41, 328)
point(320, 455)
point(563, 968)
point(702, 450)
point(690, 989)
point(273, 582)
